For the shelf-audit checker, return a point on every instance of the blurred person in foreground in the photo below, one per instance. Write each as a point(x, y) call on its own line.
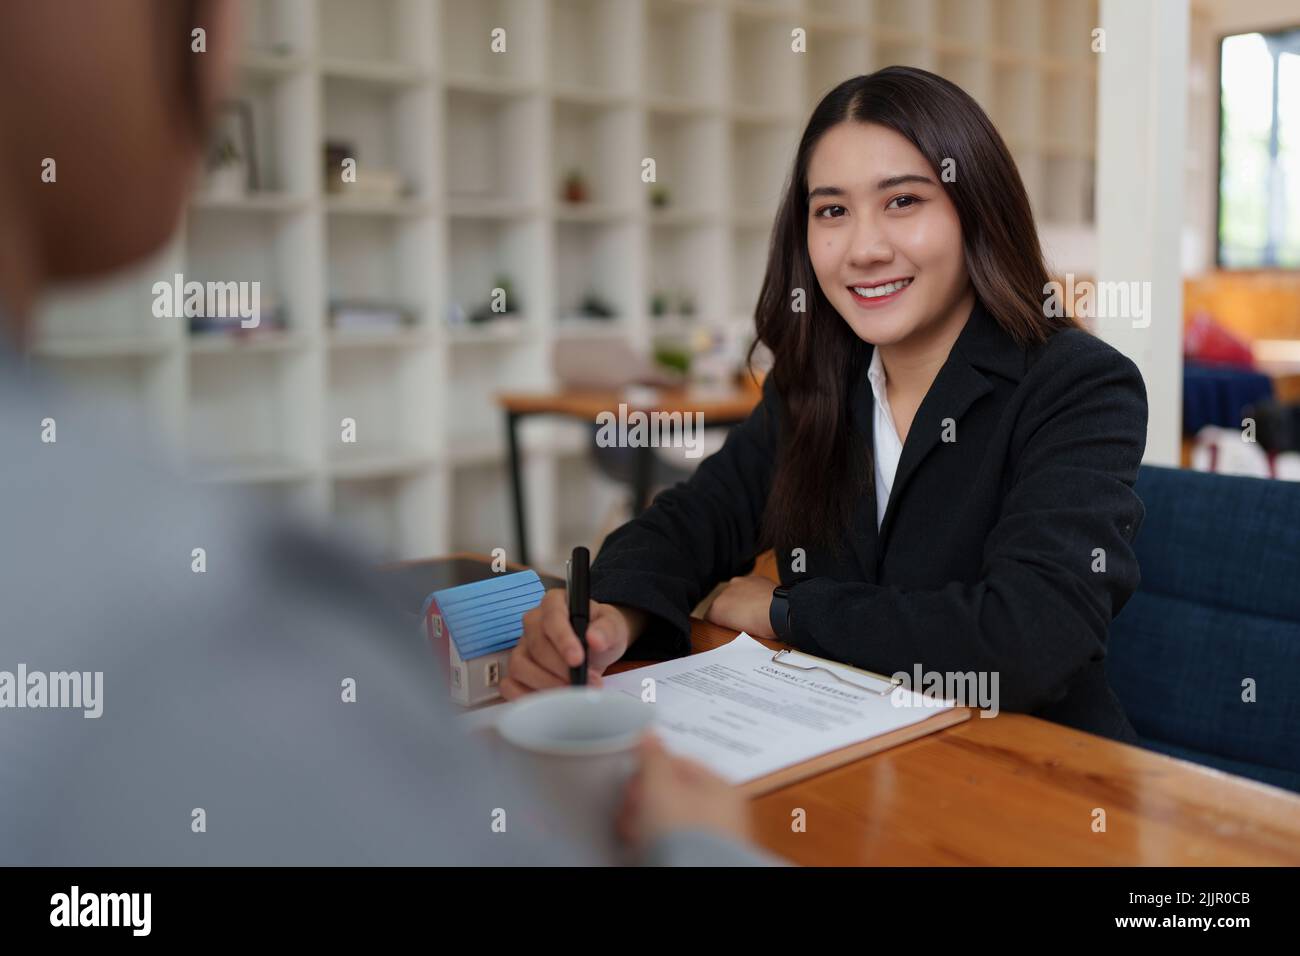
point(221, 735)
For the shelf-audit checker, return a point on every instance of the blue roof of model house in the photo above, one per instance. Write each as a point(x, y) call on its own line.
point(487, 616)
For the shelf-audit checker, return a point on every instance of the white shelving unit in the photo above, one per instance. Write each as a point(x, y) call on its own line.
point(483, 142)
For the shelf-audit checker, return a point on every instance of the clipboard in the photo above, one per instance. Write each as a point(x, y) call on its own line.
point(786, 776)
point(483, 720)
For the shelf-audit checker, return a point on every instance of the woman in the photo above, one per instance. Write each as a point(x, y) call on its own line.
point(943, 467)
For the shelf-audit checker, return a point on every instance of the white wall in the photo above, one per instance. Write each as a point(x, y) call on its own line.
point(1140, 206)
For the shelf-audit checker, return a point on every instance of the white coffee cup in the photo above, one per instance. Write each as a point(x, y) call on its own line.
point(580, 745)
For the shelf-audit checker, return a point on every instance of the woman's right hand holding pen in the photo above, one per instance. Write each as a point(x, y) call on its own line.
point(549, 647)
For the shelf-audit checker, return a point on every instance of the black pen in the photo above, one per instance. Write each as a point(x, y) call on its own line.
point(579, 604)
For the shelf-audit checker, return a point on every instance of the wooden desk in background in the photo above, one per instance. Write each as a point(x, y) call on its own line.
point(1007, 790)
point(718, 411)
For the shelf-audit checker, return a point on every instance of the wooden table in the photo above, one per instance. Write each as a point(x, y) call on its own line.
point(1017, 790)
point(719, 411)
point(1007, 790)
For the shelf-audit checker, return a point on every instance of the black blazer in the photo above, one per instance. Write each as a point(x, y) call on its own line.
point(985, 559)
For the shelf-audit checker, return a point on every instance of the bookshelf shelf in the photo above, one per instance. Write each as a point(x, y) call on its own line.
point(374, 72)
point(380, 339)
point(103, 347)
point(497, 331)
point(582, 327)
point(345, 205)
point(464, 153)
point(259, 342)
point(265, 201)
point(581, 96)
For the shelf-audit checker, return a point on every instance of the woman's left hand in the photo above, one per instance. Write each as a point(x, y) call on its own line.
point(742, 605)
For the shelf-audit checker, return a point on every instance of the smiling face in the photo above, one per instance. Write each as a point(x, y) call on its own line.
point(884, 238)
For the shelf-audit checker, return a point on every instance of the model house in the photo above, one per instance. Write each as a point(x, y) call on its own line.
point(476, 625)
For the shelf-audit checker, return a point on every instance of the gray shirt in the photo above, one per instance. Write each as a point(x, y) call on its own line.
point(223, 735)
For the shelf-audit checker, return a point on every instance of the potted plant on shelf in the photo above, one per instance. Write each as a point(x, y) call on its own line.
point(575, 186)
point(594, 307)
point(673, 356)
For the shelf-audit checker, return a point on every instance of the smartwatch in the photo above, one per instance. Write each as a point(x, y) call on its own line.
point(778, 612)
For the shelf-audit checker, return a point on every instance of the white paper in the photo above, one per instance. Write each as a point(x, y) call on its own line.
point(735, 711)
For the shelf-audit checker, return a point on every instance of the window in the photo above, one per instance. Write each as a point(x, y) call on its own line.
point(1259, 151)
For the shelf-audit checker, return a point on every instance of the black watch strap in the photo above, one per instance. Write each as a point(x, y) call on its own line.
point(778, 612)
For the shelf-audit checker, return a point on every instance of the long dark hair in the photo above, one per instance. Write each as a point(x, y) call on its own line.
point(821, 466)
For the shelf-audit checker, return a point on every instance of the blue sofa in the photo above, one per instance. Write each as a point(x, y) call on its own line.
point(1219, 602)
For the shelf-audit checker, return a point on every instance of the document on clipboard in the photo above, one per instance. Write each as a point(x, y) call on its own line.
point(762, 719)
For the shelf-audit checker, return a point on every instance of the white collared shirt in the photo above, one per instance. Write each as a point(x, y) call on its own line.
point(886, 444)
